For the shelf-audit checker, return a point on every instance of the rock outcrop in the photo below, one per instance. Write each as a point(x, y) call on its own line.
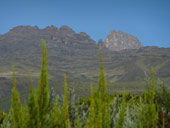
point(116, 41)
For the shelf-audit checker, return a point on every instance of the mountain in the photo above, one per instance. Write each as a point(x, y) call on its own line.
point(76, 55)
point(68, 52)
point(116, 41)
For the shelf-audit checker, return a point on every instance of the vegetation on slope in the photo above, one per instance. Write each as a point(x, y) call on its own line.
point(100, 110)
point(75, 54)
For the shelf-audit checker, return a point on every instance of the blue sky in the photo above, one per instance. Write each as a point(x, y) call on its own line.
point(149, 20)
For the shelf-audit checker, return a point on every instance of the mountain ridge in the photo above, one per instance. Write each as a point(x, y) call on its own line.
point(76, 55)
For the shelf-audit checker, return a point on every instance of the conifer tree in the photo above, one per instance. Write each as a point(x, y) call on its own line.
point(65, 111)
point(149, 110)
point(32, 108)
point(91, 119)
point(102, 107)
point(106, 115)
point(99, 112)
point(101, 81)
point(163, 123)
point(24, 115)
point(16, 105)
point(55, 120)
point(43, 89)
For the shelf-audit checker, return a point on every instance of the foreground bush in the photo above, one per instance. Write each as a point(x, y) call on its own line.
point(44, 110)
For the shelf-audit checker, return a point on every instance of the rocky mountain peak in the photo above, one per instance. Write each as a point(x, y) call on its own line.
point(66, 30)
point(116, 41)
point(24, 28)
point(85, 35)
point(51, 28)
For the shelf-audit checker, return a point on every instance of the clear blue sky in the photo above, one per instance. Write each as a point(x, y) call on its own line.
point(149, 20)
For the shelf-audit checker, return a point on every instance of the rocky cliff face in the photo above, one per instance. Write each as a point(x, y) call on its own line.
point(116, 41)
